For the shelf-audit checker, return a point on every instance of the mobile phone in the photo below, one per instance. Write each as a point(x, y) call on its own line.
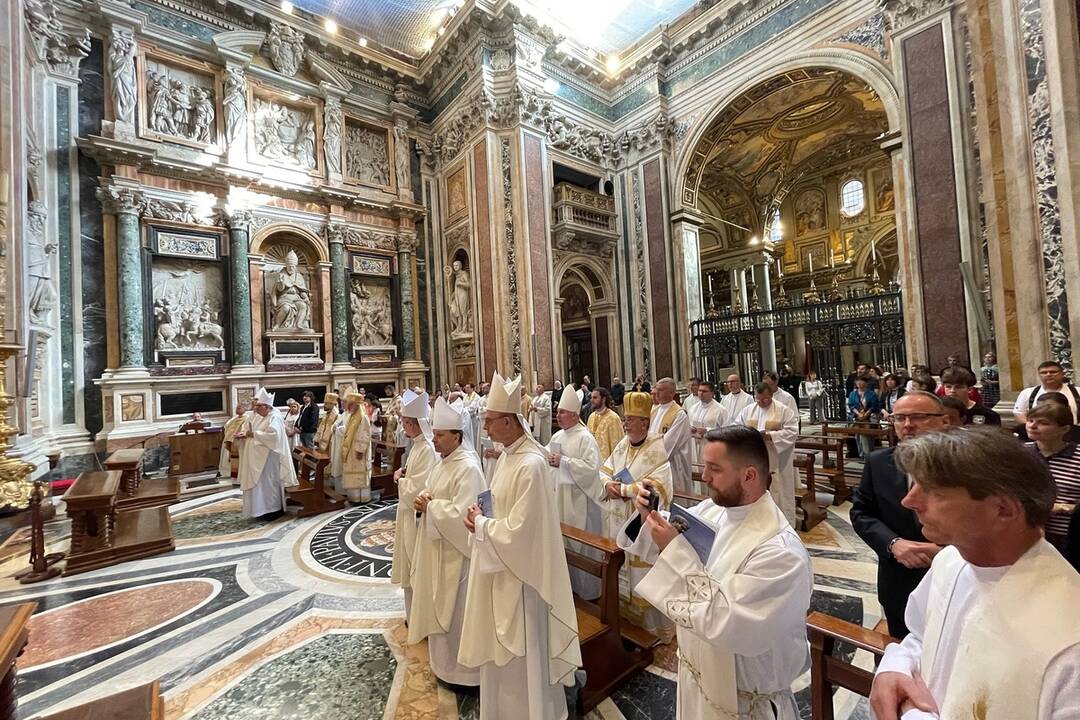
point(654, 497)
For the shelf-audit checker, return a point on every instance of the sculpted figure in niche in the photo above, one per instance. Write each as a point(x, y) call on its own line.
point(235, 103)
point(291, 298)
point(458, 289)
point(38, 253)
point(401, 156)
point(122, 64)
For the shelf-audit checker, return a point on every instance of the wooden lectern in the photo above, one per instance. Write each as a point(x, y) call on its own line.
point(194, 449)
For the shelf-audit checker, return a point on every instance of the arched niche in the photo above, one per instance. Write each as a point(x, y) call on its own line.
point(290, 296)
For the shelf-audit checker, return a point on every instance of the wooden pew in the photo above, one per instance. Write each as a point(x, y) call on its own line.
point(882, 432)
point(806, 505)
point(14, 621)
point(828, 672)
point(313, 494)
point(606, 660)
point(101, 535)
point(382, 478)
point(835, 475)
point(143, 702)
point(134, 492)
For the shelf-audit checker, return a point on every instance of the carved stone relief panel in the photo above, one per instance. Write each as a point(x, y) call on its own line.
point(288, 281)
point(180, 103)
point(132, 407)
point(285, 46)
point(284, 134)
point(367, 154)
point(188, 301)
point(371, 314)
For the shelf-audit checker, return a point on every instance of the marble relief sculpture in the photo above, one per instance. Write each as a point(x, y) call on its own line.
point(122, 74)
point(366, 157)
point(61, 51)
point(372, 322)
point(401, 156)
point(290, 298)
point(284, 133)
point(286, 46)
point(187, 299)
point(39, 253)
point(458, 289)
point(235, 103)
point(333, 119)
point(179, 108)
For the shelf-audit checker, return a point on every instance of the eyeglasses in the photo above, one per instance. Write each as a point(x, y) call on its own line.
point(915, 418)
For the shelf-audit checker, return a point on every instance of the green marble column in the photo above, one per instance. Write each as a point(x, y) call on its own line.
point(339, 294)
point(126, 204)
point(406, 246)
point(240, 317)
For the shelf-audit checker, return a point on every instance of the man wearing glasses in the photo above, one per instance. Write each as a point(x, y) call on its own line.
point(891, 530)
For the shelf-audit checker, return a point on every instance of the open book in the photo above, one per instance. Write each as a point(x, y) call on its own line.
point(699, 533)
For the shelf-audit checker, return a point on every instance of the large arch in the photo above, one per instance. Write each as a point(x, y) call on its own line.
point(859, 65)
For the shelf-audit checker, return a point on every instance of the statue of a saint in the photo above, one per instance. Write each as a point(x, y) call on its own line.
point(458, 287)
point(291, 298)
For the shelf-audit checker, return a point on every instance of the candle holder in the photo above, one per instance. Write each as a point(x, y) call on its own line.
point(736, 301)
point(751, 293)
point(875, 287)
point(812, 296)
point(712, 311)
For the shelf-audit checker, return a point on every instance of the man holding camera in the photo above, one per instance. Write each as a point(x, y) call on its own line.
point(740, 612)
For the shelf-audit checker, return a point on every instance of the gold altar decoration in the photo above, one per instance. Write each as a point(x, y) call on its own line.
point(15, 484)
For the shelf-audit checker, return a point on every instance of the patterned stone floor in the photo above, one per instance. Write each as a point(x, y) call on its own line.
point(296, 618)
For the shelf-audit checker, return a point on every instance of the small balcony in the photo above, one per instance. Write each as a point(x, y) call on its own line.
point(583, 220)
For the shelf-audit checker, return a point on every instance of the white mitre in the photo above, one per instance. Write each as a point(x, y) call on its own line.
point(570, 400)
point(264, 398)
point(505, 396)
point(415, 405)
point(446, 417)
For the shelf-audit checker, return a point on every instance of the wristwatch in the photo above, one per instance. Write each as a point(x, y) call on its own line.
point(891, 543)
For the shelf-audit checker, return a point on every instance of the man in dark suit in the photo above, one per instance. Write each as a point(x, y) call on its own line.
point(309, 420)
point(891, 530)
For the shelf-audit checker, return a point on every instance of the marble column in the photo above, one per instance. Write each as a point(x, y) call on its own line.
point(339, 295)
point(762, 285)
point(126, 204)
point(406, 248)
point(239, 272)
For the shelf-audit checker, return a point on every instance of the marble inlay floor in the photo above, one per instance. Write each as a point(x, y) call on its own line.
point(296, 618)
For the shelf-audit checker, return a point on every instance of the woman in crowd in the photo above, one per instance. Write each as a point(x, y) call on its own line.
point(812, 389)
point(922, 381)
point(863, 407)
point(292, 430)
point(1047, 424)
point(892, 389)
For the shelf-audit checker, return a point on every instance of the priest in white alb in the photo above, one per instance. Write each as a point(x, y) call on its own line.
point(779, 425)
point(520, 622)
point(229, 459)
point(540, 415)
point(994, 630)
point(706, 414)
point(579, 488)
point(266, 466)
point(670, 420)
point(739, 602)
point(736, 399)
point(639, 458)
point(693, 387)
point(440, 570)
point(411, 481)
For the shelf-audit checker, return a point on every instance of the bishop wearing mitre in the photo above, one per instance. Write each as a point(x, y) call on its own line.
point(739, 596)
point(324, 433)
point(575, 461)
point(266, 466)
point(440, 569)
point(779, 426)
point(411, 481)
point(520, 622)
point(640, 458)
point(353, 461)
point(229, 460)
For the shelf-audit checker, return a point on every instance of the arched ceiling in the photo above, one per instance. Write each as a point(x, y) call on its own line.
point(769, 137)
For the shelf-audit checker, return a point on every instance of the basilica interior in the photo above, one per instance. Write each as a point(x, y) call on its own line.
point(200, 199)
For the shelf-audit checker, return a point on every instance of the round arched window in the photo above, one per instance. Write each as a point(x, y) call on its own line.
point(852, 197)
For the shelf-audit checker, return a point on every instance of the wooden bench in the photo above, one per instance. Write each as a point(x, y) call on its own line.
point(607, 661)
point(313, 494)
point(382, 474)
point(834, 474)
point(138, 703)
point(806, 505)
point(102, 535)
point(827, 671)
point(134, 491)
point(876, 431)
point(14, 624)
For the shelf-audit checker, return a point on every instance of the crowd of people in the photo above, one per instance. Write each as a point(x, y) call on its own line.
point(964, 519)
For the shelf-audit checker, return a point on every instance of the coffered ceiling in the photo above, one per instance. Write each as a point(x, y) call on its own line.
point(410, 26)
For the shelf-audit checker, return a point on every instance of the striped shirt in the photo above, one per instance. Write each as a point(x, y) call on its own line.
point(1065, 469)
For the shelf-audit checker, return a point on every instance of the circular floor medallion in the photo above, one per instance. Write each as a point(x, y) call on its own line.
point(359, 542)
